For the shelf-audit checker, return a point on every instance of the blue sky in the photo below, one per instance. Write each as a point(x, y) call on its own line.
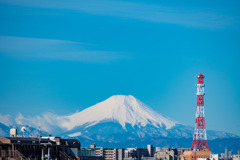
point(63, 56)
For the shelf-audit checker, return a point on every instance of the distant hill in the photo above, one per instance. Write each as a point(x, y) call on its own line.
point(30, 132)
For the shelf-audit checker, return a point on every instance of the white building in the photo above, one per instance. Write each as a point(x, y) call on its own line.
point(236, 157)
point(202, 158)
point(214, 156)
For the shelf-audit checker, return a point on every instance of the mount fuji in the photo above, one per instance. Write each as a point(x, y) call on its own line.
point(125, 110)
point(120, 119)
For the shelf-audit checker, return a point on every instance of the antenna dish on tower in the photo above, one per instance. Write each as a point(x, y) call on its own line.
point(23, 129)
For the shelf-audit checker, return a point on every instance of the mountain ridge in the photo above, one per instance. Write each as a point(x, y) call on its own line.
point(116, 119)
point(108, 128)
point(120, 108)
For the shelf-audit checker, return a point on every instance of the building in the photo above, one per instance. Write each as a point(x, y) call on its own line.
point(150, 150)
point(230, 154)
point(24, 148)
point(166, 154)
point(88, 154)
point(38, 147)
point(181, 151)
point(222, 156)
point(92, 146)
point(135, 153)
point(148, 158)
point(199, 154)
point(109, 153)
point(226, 153)
point(214, 157)
point(236, 157)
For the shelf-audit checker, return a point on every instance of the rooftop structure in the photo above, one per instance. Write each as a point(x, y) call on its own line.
point(38, 147)
point(166, 154)
point(192, 155)
point(106, 153)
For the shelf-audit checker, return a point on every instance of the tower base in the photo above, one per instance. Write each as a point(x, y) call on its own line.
point(194, 155)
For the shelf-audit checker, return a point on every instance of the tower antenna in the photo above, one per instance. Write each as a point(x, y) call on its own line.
point(200, 135)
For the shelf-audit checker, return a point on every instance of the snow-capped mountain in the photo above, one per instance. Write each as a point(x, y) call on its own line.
point(121, 109)
point(118, 120)
point(121, 118)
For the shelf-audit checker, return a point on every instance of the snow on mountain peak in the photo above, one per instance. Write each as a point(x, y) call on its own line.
point(119, 108)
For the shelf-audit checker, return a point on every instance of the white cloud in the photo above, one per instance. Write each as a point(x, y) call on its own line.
point(153, 13)
point(6, 119)
point(54, 49)
point(47, 121)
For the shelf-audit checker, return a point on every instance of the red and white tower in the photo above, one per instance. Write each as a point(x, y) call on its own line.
point(200, 136)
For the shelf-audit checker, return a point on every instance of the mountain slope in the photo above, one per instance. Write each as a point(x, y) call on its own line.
point(4, 130)
point(121, 109)
point(122, 118)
